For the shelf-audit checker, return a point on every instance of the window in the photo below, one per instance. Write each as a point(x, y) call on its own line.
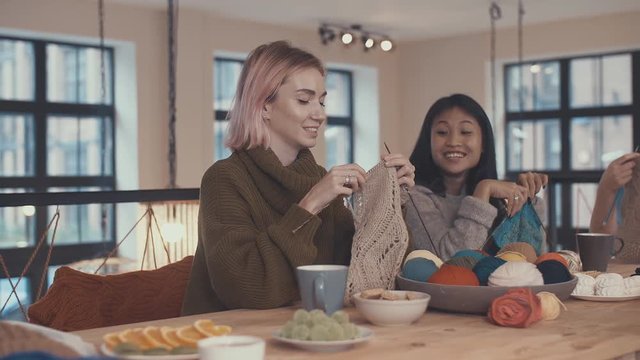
point(225, 75)
point(56, 134)
point(339, 109)
point(570, 117)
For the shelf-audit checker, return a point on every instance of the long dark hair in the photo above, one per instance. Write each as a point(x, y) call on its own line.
point(427, 173)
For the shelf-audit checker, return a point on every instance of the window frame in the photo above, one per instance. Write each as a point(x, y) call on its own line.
point(563, 235)
point(40, 108)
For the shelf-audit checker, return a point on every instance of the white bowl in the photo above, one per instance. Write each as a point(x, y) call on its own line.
point(393, 312)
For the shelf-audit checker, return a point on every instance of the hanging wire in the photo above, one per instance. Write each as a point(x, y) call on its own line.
point(40, 243)
point(103, 101)
point(520, 74)
point(495, 14)
point(172, 19)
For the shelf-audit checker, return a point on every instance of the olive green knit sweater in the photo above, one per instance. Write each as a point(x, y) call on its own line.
point(253, 235)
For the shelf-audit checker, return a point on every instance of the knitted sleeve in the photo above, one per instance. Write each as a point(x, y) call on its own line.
point(250, 268)
point(469, 227)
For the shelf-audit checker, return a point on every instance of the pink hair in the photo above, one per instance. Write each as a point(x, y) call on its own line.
point(264, 71)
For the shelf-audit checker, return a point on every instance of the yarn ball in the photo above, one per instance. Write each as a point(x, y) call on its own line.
point(516, 273)
point(573, 259)
point(476, 254)
point(463, 261)
point(485, 267)
point(552, 256)
point(419, 269)
point(516, 308)
point(454, 275)
point(424, 254)
point(554, 272)
point(550, 305)
point(521, 247)
point(511, 256)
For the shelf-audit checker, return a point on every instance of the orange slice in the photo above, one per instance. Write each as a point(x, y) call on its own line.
point(136, 337)
point(111, 339)
point(153, 335)
point(188, 335)
point(208, 328)
point(169, 336)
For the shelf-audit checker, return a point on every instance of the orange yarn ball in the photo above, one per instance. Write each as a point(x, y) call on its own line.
point(552, 256)
point(454, 275)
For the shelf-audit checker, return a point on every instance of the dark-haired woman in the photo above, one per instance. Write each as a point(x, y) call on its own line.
point(456, 194)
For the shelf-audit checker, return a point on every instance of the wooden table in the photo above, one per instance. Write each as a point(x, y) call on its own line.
point(588, 330)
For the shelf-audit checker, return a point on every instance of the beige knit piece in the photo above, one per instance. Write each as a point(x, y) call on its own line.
point(381, 238)
point(629, 230)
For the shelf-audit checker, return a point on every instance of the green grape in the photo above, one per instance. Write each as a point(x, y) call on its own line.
point(340, 316)
point(127, 349)
point(156, 351)
point(317, 316)
point(350, 331)
point(319, 333)
point(183, 350)
point(301, 316)
point(300, 332)
point(336, 332)
point(287, 329)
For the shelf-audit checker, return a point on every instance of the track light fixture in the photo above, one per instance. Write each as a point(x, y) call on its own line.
point(349, 35)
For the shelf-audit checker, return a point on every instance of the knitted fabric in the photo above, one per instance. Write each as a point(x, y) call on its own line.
point(629, 230)
point(381, 238)
point(524, 226)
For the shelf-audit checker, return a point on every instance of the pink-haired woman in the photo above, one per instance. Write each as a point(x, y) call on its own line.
point(270, 207)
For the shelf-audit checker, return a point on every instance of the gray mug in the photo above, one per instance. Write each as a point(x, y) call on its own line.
point(596, 250)
point(322, 286)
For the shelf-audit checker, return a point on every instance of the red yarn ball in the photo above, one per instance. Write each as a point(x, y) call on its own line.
point(454, 275)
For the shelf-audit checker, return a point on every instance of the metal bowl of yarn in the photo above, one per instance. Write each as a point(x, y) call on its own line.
point(475, 299)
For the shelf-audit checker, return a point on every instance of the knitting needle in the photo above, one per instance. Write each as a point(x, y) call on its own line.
point(404, 187)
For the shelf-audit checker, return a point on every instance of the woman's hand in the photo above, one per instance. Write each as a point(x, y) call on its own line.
point(618, 173)
point(515, 195)
point(533, 182)
point(341, 180)
point(405, 170)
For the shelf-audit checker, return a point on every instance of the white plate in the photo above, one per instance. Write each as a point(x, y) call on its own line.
point(364, 334)
point(605, 298)
point(105, 350)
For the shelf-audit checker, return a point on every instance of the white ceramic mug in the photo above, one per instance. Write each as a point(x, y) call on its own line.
point(231, 347)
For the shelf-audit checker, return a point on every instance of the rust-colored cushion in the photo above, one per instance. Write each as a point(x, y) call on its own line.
point(77, 300)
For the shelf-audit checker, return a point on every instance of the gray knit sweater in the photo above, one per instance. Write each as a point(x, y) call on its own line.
point(454, 222)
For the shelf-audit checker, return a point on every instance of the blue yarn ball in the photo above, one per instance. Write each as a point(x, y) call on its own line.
point(419, 269)
point(485, 267)
point(553, 272)
point(471, 253)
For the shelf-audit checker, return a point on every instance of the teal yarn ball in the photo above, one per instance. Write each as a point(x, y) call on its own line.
point(419, 269)
point(476, 254)
point(485, 267)
point(553, 272)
